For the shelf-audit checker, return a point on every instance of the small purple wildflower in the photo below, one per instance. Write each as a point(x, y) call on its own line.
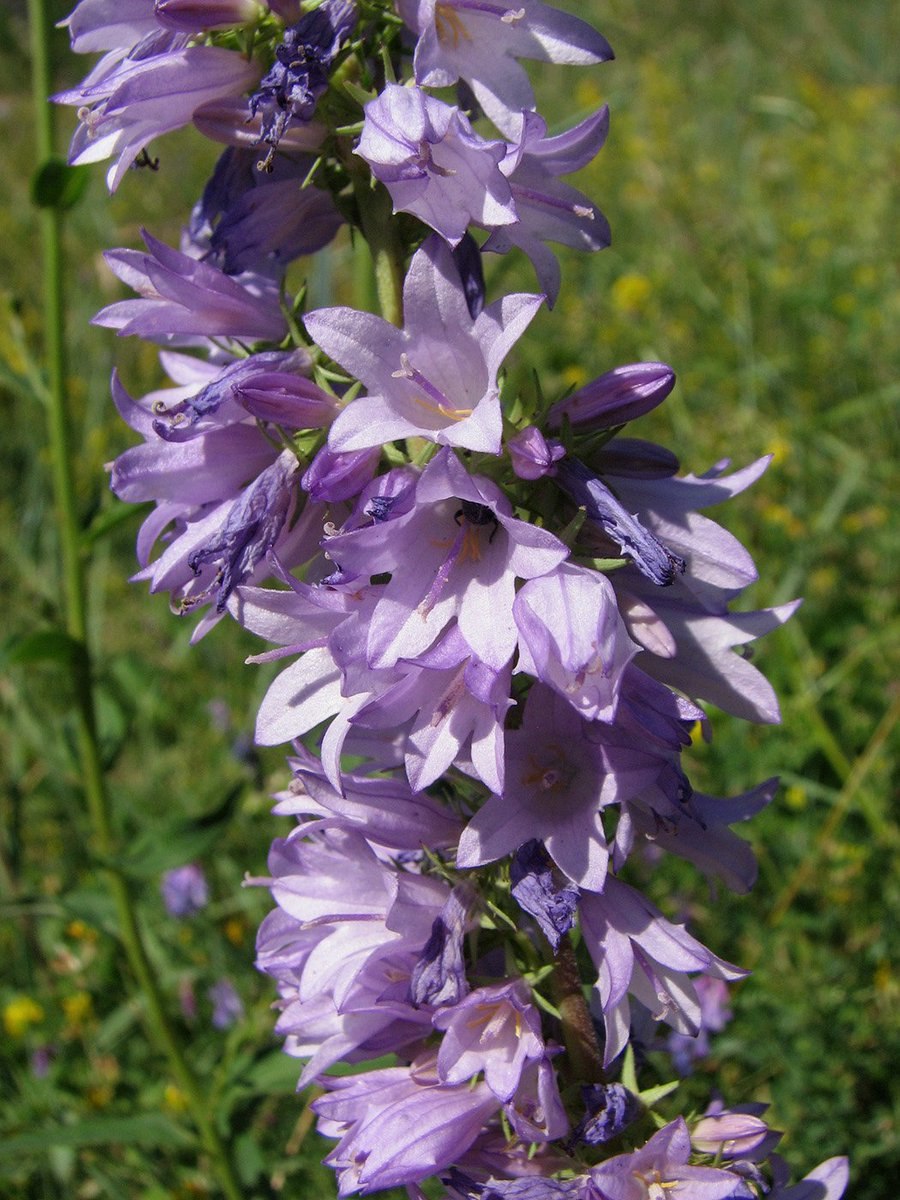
point(184, 890)
point(228, 1008)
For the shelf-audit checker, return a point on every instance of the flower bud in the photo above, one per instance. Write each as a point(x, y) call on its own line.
point(333, 477)
point(194, 16)
point(618, 396)
point(733, 1134)
point(287, 399)
point(635, 459)
point(532, 455)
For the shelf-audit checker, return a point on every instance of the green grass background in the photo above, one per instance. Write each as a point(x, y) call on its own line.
point(751, 182)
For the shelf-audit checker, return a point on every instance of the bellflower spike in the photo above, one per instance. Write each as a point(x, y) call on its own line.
point(433, 164)
point(437, 377)
point(480, 41)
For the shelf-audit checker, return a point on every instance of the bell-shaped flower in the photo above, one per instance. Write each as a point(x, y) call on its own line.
point(384, 809)
point(455, 553)
point(549, 210)
point(559, 777)
point(399, 1125)
point(481, 43)
point(572, 637)
point(181, 296)
point(638, 952)
point(433, 164)
point(495, 1030)
point(662, 1168)
point(141, 98)
point(437, 377)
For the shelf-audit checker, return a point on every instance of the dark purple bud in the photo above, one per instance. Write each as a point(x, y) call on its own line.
point(250, 531)
point(467, 257)
point(618, 396)
point(635, 459)
point(194, 16)
point(334, 477)
point(286, 399)
point(439, 976)
point(609, 1108)
point(647, 552)
point(537, 892)
point(532, 456)
point(185, 420)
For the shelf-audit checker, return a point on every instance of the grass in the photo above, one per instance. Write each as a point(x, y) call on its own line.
point(750, 180)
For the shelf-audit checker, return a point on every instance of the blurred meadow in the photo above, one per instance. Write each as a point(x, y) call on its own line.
point(751, 180)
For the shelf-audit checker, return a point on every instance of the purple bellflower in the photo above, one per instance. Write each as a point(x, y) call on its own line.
point(572, 637)
point(139, 99)
point(437, 377)
point(399, 1125)
point(547, 209)
point(636, 950)
point(182, 298)
point(480, 42)
point(558, 779)
point(433, 164)
point(184, 890)
point(662, 1168)
point(495, 1030)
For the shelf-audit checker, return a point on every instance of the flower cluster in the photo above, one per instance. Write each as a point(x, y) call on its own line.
point(498, 618)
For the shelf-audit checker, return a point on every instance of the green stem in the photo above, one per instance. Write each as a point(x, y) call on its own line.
point(75, 608)
point(380, 231)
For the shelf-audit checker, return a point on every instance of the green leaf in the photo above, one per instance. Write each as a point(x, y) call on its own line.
point(147, 1129)
point(57, 185)
point(652, 1095)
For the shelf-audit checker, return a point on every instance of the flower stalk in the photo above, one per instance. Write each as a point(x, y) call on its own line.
point(75, 613)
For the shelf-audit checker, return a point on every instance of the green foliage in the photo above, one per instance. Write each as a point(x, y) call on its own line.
point(750, 180)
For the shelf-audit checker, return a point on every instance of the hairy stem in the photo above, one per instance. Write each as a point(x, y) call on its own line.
point(75, 610)
point(584, 1061)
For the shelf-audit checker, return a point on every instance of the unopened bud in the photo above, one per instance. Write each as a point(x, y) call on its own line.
point(618, 396)
point(195, 16)
point(532, 455)
point(731, 1134)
